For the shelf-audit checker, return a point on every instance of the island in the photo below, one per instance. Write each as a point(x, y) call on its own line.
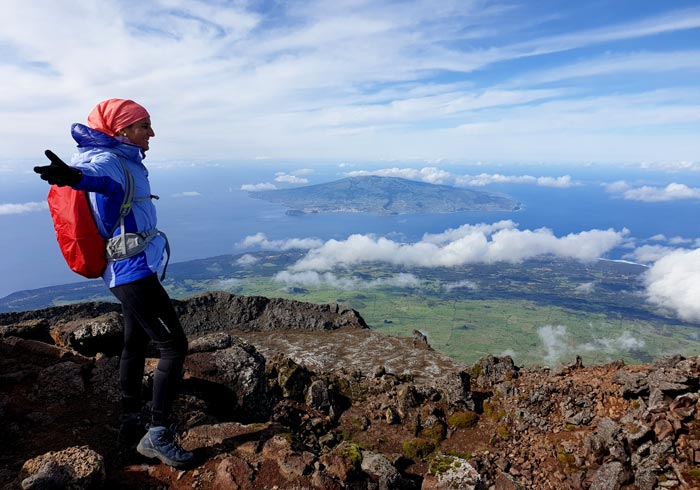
point(385, 196)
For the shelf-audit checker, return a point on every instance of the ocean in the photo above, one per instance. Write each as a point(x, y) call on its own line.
point(205, 213)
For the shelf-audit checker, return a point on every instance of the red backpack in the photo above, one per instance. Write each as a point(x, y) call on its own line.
point(76, 232)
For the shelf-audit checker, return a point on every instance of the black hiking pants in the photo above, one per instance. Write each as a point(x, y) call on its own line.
point(149, 314)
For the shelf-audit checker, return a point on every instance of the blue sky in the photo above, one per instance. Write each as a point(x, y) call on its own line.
point(420, 81)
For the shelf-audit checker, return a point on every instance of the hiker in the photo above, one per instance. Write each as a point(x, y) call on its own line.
point(113, 146)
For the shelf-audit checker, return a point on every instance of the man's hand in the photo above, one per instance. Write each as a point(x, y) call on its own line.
point(58, 173)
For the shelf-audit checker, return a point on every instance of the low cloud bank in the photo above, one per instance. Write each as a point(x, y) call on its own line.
point(673, 284)
point(500, 242)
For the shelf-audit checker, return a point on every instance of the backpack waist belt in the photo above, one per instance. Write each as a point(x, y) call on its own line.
point(127, 245)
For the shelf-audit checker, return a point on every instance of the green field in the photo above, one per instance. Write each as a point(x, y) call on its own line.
point(542, 312)
point(518, 316)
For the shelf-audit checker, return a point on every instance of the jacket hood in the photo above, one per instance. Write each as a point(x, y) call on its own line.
point(87, 137)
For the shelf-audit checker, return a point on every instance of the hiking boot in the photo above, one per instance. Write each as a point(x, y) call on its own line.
point(131, 428)
point(161, 442)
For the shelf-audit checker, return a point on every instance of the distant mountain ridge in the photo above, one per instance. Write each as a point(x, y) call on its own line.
point(386, 196)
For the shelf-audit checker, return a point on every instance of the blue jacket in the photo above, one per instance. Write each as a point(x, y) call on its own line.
point(103, 177)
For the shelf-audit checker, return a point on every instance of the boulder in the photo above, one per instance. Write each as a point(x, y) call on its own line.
point(77, 468)
point(452, 473)
point(491, 371)
point(384, 474)
point(90, 336)
point(211, 342)
point(610, 476)
point(32, 329)
point(234, 376)
point(217, 311)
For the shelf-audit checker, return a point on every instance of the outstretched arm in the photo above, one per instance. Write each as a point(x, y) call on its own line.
point(61, 174)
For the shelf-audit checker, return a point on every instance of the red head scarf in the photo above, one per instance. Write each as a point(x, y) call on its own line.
point(109, 116)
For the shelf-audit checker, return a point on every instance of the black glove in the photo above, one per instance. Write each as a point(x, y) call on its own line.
point(58, 173)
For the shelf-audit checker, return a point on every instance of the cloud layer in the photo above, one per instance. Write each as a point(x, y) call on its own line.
point(482, 243)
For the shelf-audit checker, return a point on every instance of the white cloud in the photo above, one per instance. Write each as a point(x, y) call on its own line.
point(646, 193)
point(430, 175)
point(465, 284)
point(314, 279)
point(246, 260)
point(619, 63)
point(399, 280)
point(21, 208)
point(585, 288)
point(434, 175)
point(260, 240)
point(453, 234)
point(187, 194)
point(227, 283)
point(677, 166)
point(508, 352)
point(562, 182)
point(625, 342)
point(265, 186)
point(671, 192)
point(361, 80)
point(290, 179)
point(486, 179)
point(304, 171)
point(679, 240)
point(648, 254)
point(559, 345)
point(617, 187)
point(329, 279)
point(673, 283)
point(467, 244)
point(554, 338)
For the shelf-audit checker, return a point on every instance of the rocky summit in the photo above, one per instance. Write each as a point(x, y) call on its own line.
point(287, 395)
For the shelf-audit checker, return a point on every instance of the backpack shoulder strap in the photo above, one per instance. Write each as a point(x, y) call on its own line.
point(126, 203)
